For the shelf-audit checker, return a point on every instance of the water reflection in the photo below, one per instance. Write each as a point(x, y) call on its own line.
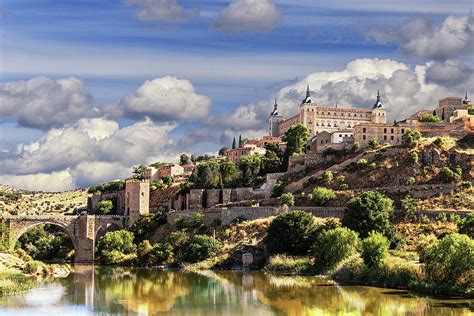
point(128, 291)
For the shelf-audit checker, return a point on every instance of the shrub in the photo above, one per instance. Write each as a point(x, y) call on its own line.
point(35, 267)
point(336, 245)
point(449, 175)
point(104, 207)
point(450, 261)
point(466, 184)
point(152, 255)
point(4, 236)
point(321, 195)
point(429, 118)
point(414, 157)
point(291, 233)
point(424, 244)
point(287, 198)
point(146, 225)
point(117, 247)
point(356, 147)
point(179, 240)
point(411, 181)
point(289, 264)
point(439, 141)
point(362, 163)
point(278, 189)
point(373, 143)
point(201, 247)
point(411, 138)
point(408, 210)
point(466, 225)
point(180, 223)
point(425, 219)
point(369, 211)
point(344, 186)
point(374, 249)
point(197, 220)
point(328, 176)
point(454, 218)
point(442, 217)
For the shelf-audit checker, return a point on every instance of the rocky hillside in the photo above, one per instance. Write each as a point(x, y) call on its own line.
point(19, 202)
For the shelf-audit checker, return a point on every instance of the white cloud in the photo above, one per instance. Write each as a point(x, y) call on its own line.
point(164, 11)
point(89, 151)
point(43, 102)
point(166, 99)
point(52, 182)
point(454, 37)
point(249, 15)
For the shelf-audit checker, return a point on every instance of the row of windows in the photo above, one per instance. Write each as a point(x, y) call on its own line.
point(333, 124)
point(364, 130)
point(342, 113)
point(364, 137)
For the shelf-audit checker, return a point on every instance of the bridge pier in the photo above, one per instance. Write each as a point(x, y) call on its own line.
point(84, 252)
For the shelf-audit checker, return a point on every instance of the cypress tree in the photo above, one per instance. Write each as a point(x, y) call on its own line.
point(233, 143)
point(240, 140)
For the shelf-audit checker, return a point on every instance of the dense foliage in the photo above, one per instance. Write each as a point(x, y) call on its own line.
point(46, 243)
point(146, 225)
point(291, 233)
point(411, 138)
point(367, 212)
point(296, 138)
point(251, 167)
point(153, 255)
point(107, 187)
point(201, 247)
point(117, 247)
point(322, 195)
point(335, 245)
point(104, 207)
point(430, 118)
point(287, 199)
point(374, 249)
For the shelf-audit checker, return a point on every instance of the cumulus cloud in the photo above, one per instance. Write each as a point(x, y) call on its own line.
point(89, 151)
point(452, 38)
point(404, 90)
point(163, 11)
point(249, 15)
point(52, 182)
point(166, 99)
point(43, 102)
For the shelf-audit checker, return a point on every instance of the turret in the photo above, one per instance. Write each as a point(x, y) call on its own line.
point(379, 113)
point(273, 120)
point(307, 99)
point(466, 100)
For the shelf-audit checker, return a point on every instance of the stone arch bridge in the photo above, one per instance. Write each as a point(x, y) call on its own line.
point(83, 230)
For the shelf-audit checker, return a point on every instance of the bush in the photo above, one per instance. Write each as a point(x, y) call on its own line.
point(328, 176)
point(4, 237)
point(442, 217)
point(104, 207)
point(335, 245)
point(197, 220)
point(362, 163)
point(466, 225)
point(201, 247)
point(321, 195)
point(439, 141)
point(411, 138)
point(291, 233)
point(117, 247)
point(278, 189)
point(344, 186)
point(373, 143)
point(369, 211)
point(408, 210)
point(146, 225)
point(466, 185)
point(289, 264)
point(414, 157)
point(287, 198)
point(152, 255)
point(35, 267)
point(450, 262)
point(180, 223)
point(424, 244)
point(356, 147)
point(430, 118)
point(449, 175)
point(411, 181)
point(374, 249)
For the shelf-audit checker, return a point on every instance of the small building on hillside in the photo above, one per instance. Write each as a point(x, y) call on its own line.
point(234, 155)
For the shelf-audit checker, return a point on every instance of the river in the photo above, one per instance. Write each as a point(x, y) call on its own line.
point(133, 291)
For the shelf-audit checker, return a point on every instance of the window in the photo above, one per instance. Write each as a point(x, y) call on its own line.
point(403, 131)
point(391, 130)
point(385, 130)
point(363, 137)
point(392, 138)
point(340, 135)
point(363, 130)
point(384, 137)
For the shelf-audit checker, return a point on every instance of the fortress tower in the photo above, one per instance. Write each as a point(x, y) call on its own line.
point(137, 199)
point(379, 113)
point(274, 120)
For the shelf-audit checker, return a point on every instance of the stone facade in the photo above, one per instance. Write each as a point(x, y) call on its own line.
point(117, 198)
point(329, 119)
point(137, 199)
point(382, 133)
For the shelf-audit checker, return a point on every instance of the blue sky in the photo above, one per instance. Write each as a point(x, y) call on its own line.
point(112, 52)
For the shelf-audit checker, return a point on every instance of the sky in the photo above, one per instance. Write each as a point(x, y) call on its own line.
point(89, 89)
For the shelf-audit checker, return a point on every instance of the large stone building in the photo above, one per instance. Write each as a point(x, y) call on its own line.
point(328, 119)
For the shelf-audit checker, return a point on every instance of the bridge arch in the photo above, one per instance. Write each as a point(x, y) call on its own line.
point(16, 234)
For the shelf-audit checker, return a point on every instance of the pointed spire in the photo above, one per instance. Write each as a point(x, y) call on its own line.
point(379, 103)
point(466, 94)
point(336, 105)
point(308, 94)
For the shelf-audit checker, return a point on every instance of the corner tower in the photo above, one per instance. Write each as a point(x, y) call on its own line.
point(379, 112)
point(274, 120)
point(137, 199)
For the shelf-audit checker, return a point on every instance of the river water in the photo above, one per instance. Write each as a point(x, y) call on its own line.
point(131, 291)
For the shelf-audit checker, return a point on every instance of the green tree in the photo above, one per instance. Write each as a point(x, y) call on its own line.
point(137, 172)
point(296, 138)
point(287, 198)
point(374, 249)
point(449, 175)
point(184, 159)
point(229, 174)
point(373, 143)
point(251, 167)
point(201, 247)
point(429, 118)
point(450, 261)
point(291, 233)
point(223, 150)
point(335, 245)
point(466, 225)
point(233, 144)
point(207, 176)
point(411, 138)
point(367, 212)
point(153, 255)
point(321, 195)
point(117, 247)
point(167, 180)
point(271, 162)
point(104, 207)
point(241, 143)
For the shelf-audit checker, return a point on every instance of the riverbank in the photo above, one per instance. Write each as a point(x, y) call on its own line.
point(18, 275)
